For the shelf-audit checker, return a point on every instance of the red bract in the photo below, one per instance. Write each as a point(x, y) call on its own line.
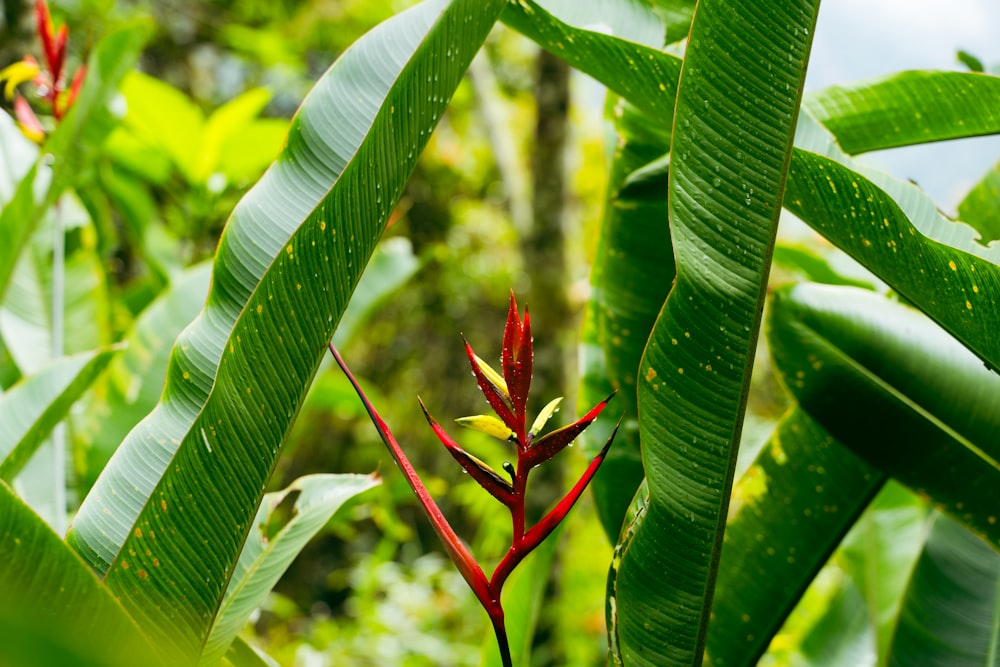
point(49, 79)
point(508, 396)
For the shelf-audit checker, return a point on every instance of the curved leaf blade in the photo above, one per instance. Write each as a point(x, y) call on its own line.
point(643, 74)
point(728, 161)
point(953, 287)
point(284, 271)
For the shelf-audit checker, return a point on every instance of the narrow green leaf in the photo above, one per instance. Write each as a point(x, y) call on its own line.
point(38, 402)
point(267, 554)
point(951, 610)
point(908, 108)
point(242, 654)
point(923, 408)
point(286, 265)
point(788, 513)
point(54, 608)
point(732, 137)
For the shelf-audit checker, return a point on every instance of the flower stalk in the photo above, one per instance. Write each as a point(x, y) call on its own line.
point(507, 394)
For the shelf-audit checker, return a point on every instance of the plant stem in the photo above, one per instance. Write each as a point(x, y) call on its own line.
point(501, 632)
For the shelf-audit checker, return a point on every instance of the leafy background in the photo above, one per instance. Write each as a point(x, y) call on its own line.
point(152, 221)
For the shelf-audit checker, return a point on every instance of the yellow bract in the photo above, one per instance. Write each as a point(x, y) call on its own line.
point(16, 74)
point(487, 424)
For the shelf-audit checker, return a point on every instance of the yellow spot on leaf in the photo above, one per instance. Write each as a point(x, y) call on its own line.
point(142, 574)
point(968, 304)
point(260, 309)
point(650, 374)
point(952, 265)
point(681, 371)
point(138, 532)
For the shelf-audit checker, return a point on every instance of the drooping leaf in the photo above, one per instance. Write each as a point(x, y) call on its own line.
point(286, 265)
point(922, 408)
point(628, 61)
point(267, 554)
point(38, 402)
point(55, 611)
point(951, 611)
point(732, 137)
point(896, 233)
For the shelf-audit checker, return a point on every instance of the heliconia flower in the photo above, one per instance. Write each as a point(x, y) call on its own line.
point(48, 78)
point(507, 394)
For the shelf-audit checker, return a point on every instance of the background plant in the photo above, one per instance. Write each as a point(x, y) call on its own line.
point(740, 145)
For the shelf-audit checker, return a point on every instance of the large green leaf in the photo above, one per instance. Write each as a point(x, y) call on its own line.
point(908, 108)
point(269, 551)
point(68, 149)
point(788, 513)
point(732, 137)
point(55, 611)
point(923, 408)
point(951, 610)
point(286, 265)
point(33, 406)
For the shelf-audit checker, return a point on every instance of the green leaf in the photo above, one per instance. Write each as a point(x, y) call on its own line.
point(286, 265)
point(69, 149)
point(908, 108)
point(268, 552)
point(951, 610)
point(226, 125)
point(788, 513)
point(981, 206)
point(894, 231)
point(632, 273)
point(55, 611)
point(923, 408)
point(639, 72)
point(38, 402)
point(732, 137)
point(242, 654)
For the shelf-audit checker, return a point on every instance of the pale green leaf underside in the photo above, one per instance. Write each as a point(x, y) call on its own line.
point(732, 135)
point(285, 268)
point(264, 559)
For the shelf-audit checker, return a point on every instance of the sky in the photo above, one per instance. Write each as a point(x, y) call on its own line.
point(858, 39)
